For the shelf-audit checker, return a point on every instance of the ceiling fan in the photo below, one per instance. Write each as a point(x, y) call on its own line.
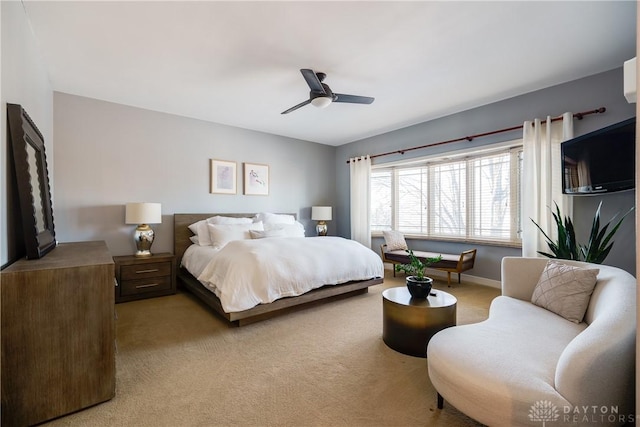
point(321, 94)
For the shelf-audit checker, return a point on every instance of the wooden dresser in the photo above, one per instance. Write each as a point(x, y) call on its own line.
point(58, 333)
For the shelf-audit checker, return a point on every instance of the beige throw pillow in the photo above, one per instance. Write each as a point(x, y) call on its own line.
point(565, 290)
point(394, 240)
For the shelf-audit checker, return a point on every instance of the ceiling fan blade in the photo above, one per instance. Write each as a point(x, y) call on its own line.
point(295, 107)
point(353, 99)
point(312, 80)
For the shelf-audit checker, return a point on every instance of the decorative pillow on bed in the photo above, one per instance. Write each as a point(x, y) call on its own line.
point(221, 234)
point(565, 290)
point(290, 230)
point(202, 232)
point(394, 240)
point(271, 218)
point(257, 234)
point(229, 220)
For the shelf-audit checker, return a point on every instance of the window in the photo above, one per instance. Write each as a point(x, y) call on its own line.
point(470, 197)
point(381, 200)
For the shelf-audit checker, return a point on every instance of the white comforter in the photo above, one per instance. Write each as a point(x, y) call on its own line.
point(245, 273)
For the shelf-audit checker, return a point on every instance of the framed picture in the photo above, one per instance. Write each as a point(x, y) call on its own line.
point(256, 179)
point(32, 183)
point(223, 177)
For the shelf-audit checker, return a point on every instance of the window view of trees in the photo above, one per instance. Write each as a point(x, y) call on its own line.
point(449, 200)
point(471, 198)
point(381, 200)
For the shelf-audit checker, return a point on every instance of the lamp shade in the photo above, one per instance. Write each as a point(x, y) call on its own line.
point(143, 213)
point(321, 213)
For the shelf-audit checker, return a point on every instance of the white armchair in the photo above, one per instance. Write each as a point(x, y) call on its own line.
point(503, 371)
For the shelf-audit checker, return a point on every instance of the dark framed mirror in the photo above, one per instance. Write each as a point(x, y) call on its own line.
point(32, 180)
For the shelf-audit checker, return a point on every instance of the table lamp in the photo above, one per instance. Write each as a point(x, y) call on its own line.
point(143, 214)
point(321, 214)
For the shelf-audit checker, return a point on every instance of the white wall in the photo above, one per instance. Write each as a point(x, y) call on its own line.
point(109, 154)
point(24, 81)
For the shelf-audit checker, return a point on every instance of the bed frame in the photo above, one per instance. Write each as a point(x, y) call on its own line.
point(181, 242)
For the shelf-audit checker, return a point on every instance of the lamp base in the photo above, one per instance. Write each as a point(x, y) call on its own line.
point(321, 228)
point(143, 238)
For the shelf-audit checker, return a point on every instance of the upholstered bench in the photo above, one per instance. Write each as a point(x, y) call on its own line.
point(451, 263)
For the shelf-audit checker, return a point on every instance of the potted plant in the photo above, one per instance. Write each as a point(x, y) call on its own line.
point(566, 246)
point(418, 284)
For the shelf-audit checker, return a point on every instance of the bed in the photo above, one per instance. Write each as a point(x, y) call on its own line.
point(186, 280)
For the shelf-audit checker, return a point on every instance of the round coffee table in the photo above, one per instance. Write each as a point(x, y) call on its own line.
point(409, 323)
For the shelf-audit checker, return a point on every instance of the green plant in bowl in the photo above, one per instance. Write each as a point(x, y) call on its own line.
point(418, 284)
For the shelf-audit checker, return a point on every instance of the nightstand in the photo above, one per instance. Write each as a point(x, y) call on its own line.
point(145, 277)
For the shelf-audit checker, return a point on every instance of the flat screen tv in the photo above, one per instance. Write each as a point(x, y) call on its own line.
point(601, 161)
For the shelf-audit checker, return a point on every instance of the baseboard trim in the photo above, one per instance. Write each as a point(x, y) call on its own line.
point(476, 280)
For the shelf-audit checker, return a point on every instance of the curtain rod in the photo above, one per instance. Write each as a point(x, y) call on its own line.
point(470, 138)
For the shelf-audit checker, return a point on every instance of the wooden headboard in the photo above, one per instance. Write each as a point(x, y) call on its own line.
point(181, 232)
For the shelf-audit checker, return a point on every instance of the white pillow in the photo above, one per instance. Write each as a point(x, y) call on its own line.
point(290, 230)
point(565, 290)
point(229, 220)
point(271, 218)
point(221, 234)
point(257, 234)
point(202, 232)
point(394, 240)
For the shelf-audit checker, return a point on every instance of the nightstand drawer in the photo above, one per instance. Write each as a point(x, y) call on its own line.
point(142, 271)
point(141, 286)
point(144, 277)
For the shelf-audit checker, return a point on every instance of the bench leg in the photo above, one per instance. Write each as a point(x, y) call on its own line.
point(440, 401)
point(459, 277)
point(448, 278)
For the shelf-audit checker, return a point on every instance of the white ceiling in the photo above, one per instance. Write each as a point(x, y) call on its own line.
point(237, 63)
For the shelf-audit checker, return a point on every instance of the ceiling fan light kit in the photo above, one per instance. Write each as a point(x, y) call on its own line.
point(321, 94)
point(321, 101)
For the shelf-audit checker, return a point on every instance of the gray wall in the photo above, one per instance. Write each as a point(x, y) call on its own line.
point(109, 154)
point(601, 90)
point(24, 81)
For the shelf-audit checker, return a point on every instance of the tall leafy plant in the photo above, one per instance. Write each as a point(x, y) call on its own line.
point(566, 246)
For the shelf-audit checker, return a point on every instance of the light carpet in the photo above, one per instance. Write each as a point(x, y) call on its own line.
point(179, 364)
